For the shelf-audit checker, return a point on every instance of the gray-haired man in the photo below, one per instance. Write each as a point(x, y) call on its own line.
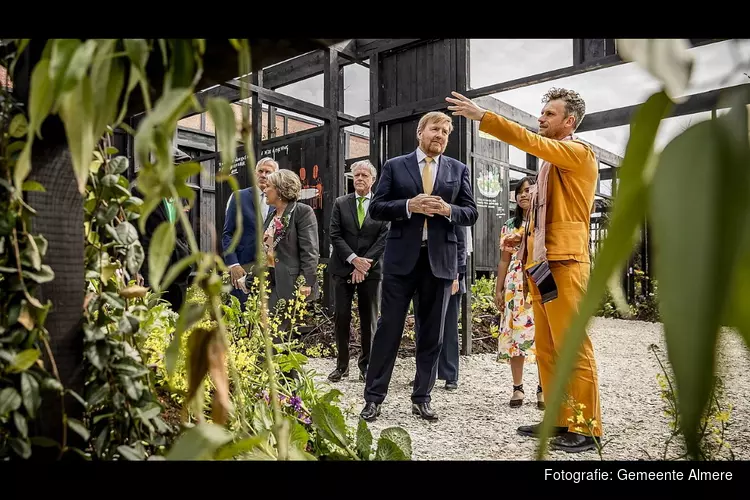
point(356, 264)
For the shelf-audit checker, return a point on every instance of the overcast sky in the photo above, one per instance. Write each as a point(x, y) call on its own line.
point(498, 60)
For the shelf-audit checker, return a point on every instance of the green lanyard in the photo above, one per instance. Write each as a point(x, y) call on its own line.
point(171, 211)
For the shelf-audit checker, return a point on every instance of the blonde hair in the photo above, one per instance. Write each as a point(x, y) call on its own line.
point(287, 183)
point(434, 116)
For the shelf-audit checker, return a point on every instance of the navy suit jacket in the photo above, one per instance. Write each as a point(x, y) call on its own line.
point(400, 180)
point(244, 252)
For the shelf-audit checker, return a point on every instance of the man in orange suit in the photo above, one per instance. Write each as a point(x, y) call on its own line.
point(557, 236)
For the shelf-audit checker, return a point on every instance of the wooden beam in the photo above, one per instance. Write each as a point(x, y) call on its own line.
point(257, 118)
point(293, 70)
point(195, 139)
point(288, 102)
point(555, 74)
point(705, 101)
point(366, 48)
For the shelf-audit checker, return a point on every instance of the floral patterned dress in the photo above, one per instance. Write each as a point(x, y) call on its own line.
point(516, 335)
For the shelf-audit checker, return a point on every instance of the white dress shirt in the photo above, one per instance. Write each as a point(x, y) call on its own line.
point(421, 155)
point(366, 206)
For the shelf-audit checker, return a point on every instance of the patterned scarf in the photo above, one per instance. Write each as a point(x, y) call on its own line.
point(539, 214)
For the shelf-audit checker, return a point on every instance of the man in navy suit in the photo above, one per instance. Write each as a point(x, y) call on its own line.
point(424, 195)
point(241, 260)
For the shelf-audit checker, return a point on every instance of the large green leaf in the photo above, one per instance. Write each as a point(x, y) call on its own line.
point(159, 252)
point(78, 65)
point(232, 450)
point(699, 174)
point(628, 213)
point(77, 112)
point(190, 313)
point(32, 399)
point(364, 440)
point(226, 129)
point(10, 401)
point(329, 421)
point(108, 76)
point(199, 443)
point(23, 360)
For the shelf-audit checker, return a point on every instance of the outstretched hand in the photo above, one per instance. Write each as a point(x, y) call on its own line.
point(463, 106)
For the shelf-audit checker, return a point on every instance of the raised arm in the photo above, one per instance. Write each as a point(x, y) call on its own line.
point(567, 155)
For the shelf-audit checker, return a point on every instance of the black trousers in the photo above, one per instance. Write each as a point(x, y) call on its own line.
point(398, 292)
point(448, 362)
point(368, 299)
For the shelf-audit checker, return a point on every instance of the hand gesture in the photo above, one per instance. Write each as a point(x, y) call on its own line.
point(305, 290)
point(436, 205)
point(463, 106)
point(362, 264)
point(422, 204)
point(510, 242)
point(235, 274)
point(454, 287)
point(357, 276)
point(499, 300)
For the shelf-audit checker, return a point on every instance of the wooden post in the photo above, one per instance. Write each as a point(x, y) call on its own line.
point(465, 141)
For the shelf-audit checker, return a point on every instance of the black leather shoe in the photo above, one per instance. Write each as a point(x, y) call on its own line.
point(336, 374)
point(424, 411)
point(573, 442)
point(451, 385)
point(370, 412)
point(535, 430)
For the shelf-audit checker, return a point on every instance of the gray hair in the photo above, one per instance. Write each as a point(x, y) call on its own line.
point(365, 164)
point(267, 159)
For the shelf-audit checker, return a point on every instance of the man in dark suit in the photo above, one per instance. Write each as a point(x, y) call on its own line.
point(176, 293)
point(424, 195)
point(241, 260)
point(448, 363)
point(356, 264)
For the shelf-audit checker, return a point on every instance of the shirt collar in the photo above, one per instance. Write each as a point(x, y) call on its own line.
point(421, 156)
point(367, 196)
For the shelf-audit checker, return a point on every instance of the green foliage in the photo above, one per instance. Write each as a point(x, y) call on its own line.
point(24, 371)
point(713, 425)
point(122, 411)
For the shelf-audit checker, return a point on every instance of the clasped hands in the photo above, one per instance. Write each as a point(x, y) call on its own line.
point(361, 268)
point(429, 205)
point(510, 242)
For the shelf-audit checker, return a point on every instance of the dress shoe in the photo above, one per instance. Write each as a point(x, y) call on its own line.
point(451, 385)
point(370, 412)
point(424, 411)
point(572, 442)
point(336, 374)
point(535, 430)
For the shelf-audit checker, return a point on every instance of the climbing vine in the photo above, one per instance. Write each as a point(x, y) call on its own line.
point(27, 368)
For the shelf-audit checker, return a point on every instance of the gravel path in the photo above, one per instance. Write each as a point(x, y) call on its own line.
point(476, 422)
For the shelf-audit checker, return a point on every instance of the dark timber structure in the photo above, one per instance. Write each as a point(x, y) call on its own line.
point(410, 77)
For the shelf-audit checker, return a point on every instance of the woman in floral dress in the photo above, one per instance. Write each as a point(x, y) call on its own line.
point(516, 336)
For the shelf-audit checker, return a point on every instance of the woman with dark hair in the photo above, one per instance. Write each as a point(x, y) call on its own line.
point(516, 336)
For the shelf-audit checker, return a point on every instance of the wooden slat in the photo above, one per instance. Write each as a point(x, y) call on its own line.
point(368, 48)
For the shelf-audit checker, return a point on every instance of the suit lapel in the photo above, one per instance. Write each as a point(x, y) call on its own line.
point(413, 167)
point(442, 173)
